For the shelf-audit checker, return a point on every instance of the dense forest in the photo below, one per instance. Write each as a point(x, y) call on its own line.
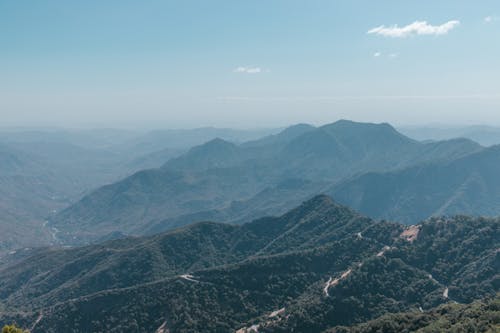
point(319, 266)
point(479, 316)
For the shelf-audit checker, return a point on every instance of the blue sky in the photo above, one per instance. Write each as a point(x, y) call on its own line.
point(248, 63)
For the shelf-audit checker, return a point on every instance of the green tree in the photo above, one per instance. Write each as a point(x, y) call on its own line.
point(12, 329)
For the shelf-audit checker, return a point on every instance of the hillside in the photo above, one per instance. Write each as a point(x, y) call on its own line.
point(467, 185)
point(43, 171)
point(37, 179)
point(237, 183)
point(484, 135)
point(480, 317)
point(318, 266)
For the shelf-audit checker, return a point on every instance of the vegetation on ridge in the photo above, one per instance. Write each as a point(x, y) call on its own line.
point(323, 263)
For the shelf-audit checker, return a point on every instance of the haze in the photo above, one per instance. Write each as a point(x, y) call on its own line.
point(248, 63)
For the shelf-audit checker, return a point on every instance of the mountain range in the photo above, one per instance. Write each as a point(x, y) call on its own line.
point(237, 183)
point(318, 267)
point(467, 185)
point(46, 170)
point(138, 255)
point(484, 135)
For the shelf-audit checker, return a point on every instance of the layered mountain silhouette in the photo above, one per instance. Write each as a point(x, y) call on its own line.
point(484, 135)
point(223, 181)
point(44, 171)
point(37, 179)
point(316, 267)
point(467, 185)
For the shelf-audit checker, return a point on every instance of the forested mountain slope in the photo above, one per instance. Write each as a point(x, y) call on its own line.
point(479, 317)
point(319, 266)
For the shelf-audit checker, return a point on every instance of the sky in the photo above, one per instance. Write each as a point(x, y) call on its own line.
point(248, 64)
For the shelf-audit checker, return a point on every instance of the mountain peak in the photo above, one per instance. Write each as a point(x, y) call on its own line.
point(286, 135)
point(215, 147)
point(320, 200)
point(300, 128)
point(218, 142)
point(383, 133)
point(216, 152)
point(321, 205)
point(344, 124)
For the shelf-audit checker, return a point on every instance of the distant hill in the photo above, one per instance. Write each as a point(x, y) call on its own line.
point(485, 135)
point(237, 183)
point(282, 137)
point(467, 185)
point(344, 148)
point(216, 153)
point(42, 171)
point(37, 179)
point(182, 139)
point(316, 267)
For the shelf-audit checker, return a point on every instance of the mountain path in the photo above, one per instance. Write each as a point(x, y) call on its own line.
point(188, 277)
point(333, 282)
point(271, 318)
point(276, 313)
point(251, 329)
point(40, 317)
point(163, 328)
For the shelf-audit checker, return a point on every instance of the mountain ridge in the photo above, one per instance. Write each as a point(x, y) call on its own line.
point(466, 185)
point(231, 183)
point(219, 277)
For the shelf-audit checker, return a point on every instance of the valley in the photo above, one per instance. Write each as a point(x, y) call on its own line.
point(42, 172)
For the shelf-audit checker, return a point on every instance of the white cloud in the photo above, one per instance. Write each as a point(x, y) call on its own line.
point(247, 70)
point(491, 19)
point(415, 28)
point(388, 55)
